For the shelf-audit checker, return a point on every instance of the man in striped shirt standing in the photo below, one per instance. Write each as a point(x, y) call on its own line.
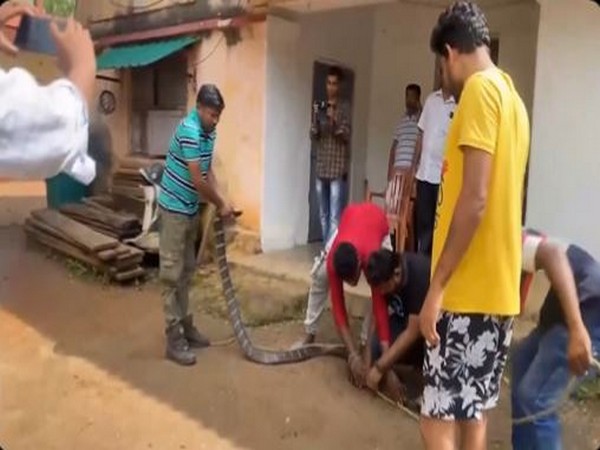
point(188, 183)
point(402, 151)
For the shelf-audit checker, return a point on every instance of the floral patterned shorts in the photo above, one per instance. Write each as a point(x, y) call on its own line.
point(464, 372)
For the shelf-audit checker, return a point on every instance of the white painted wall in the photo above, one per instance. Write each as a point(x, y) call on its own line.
point(516, 26)
point(565, 161)
point(343, 36)
point(387, 47)
point(401, 55)
point(285, 163)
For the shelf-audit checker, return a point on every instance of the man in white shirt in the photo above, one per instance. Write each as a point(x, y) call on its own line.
point(433, 126)
point(44, 129)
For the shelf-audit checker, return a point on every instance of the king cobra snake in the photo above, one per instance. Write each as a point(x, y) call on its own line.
point(252, 352)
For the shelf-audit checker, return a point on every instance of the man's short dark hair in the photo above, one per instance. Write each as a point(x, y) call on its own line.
point(415, 88)
point(381, 266)
point(345, 261)
point(463, 27)
point(335, 71)
point(210, 96)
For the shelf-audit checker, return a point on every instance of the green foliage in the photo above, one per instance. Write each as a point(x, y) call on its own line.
point(63, 8)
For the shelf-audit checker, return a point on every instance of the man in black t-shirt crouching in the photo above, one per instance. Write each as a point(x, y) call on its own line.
point(404, 280)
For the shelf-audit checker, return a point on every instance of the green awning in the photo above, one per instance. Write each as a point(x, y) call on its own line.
point(137, 55)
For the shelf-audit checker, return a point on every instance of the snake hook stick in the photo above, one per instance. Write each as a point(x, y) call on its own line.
point(520, 421)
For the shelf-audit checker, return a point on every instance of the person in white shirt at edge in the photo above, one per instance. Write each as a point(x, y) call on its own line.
point(433, 127)
point(44, 129)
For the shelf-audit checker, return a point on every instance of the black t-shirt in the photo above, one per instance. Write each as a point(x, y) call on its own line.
point(409, 299)
point(586, 272)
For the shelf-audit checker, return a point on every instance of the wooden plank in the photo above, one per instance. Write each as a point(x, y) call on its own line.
point(106, 201)
point(63, 247)
point(113, 253)
point(130, 274)
point(123, 251)
point(136, 193)
point(135, 206)
point(120, 271)
point(106, 255)
point(113, 219)
point(129, 250)
point(128, 172)
point(84, 235)
point(119, 266)
point(44, 227)
point(92, 202)
point(135, 163)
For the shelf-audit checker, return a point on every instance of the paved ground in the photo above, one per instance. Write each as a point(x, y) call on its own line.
point(82, 367)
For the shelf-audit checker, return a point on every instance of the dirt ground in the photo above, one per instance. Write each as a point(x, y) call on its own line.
point(82, 367)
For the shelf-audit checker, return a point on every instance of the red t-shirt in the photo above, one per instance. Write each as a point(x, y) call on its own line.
point(365, 226)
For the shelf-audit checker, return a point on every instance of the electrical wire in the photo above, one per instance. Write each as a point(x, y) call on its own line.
point(573, 382)
point(217, 45)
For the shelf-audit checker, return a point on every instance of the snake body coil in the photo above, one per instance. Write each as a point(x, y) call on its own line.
point(252, 352)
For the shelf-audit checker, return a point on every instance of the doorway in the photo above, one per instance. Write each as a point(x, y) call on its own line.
point(319, 94)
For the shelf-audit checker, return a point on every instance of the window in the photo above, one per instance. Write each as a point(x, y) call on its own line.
point(159, 101)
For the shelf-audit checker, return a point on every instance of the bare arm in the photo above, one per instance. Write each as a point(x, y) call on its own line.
point(551, 258)
point(391, 159)
point(467, 215)
point(207, 189)
point(418, 151)
point(402, 343)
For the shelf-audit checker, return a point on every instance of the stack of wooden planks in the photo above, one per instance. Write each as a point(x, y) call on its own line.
point(127, 179)
point(96, 215)
point(53, 229)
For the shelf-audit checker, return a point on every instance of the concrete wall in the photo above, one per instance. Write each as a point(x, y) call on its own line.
point(239, 71)
point(118, 122)
point(401, 55)
point(42, 67)
point(517, 26)
point(565, 158)
point(284, 183)
point(343, 37)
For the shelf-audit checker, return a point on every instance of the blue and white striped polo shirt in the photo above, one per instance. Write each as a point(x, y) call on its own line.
point(189, 143)
point(405, 135)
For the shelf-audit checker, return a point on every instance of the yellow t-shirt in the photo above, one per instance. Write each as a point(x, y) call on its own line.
point(491, 117)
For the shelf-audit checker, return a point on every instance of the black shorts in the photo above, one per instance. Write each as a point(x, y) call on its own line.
point(463, 373)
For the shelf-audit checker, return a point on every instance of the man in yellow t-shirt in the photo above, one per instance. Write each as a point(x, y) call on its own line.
point(474, 291)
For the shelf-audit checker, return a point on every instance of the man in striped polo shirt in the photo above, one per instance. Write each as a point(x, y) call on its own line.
point(188, 183)
point(402, 151)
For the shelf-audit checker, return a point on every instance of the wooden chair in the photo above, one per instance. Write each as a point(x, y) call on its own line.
point(397, 204)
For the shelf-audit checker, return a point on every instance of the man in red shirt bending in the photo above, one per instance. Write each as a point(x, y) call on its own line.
point(363, 229)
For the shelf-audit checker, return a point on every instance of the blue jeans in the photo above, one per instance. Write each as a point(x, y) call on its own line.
point(540, 374)
point(330, 194)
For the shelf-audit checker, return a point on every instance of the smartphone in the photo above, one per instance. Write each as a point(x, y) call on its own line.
point(34, 35)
